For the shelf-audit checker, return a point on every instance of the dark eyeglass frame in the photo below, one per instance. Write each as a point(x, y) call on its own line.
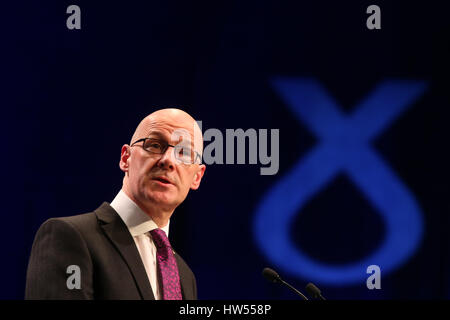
point(164, 147)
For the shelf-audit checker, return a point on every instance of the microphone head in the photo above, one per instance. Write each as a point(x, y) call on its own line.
point(312, 290)
point(271, 275)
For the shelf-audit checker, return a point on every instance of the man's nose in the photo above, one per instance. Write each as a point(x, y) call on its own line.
point(167, 160)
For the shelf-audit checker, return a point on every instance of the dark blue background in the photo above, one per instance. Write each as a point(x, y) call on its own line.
point(71, 98)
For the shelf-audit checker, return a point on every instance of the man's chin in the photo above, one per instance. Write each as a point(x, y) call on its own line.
point(162, 199)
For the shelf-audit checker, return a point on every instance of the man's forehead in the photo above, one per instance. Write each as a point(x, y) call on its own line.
point(172, 125)
point(167, 129)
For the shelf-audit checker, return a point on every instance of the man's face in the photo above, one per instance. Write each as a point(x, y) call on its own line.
point(160, 179)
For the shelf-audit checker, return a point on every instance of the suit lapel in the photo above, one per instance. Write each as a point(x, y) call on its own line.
point(116, 230)
point(183, 279)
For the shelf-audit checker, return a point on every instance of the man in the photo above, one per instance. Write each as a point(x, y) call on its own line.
point(121, 250)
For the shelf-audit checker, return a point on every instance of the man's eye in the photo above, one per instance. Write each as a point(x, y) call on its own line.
point(184, 152)
point(153, 145)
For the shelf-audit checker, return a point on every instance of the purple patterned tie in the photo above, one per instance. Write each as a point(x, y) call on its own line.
point(167, 266)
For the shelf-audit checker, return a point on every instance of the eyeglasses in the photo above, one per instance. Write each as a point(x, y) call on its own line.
point(182, 153)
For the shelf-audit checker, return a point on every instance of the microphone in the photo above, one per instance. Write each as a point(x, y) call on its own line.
point(314, 292)
point(274, 277)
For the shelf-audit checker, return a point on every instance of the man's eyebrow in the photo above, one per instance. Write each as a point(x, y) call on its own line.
point(157, 134)
point(161, 136)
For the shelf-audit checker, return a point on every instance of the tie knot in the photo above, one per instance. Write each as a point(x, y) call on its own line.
point(160, 239)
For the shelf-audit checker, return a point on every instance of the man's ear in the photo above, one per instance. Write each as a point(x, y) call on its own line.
point(198, 177)
point(124, 156)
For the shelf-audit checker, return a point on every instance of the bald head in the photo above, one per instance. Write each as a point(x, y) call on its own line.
point(170, 119)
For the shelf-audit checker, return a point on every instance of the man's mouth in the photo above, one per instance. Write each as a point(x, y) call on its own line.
point(163, 180)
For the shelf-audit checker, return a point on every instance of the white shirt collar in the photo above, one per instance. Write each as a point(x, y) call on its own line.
point(137, 221)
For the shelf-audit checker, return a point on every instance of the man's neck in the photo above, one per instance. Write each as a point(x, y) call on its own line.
point(160, 216)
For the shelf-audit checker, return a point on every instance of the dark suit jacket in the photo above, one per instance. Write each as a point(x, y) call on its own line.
point(101, 245)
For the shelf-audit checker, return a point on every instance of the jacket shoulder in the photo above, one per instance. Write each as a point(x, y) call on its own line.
point(79, 220)
point(85, 221)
